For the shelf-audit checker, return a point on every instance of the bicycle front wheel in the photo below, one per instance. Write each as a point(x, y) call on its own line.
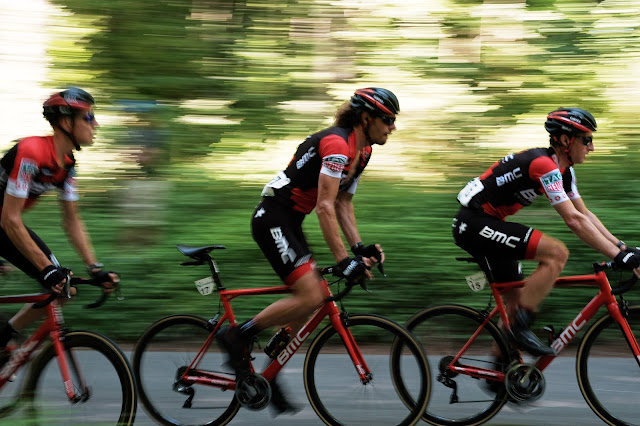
point(608, 373)
point(162, 354)
point(335, 389)
point(460, 399)
point(101, 378)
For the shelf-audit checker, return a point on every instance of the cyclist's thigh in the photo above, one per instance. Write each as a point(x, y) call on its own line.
point(483, 235)
point(278, 232)
point(11, 253)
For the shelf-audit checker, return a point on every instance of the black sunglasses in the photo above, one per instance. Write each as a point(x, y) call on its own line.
point(89, 117)
point(388, 120)
point(586, 140)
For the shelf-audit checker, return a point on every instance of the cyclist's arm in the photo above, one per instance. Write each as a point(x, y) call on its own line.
point(583, 227)
point(347, 218)
point(582, 208)
point(326, 211)
point(77, 233)
point(17, 232)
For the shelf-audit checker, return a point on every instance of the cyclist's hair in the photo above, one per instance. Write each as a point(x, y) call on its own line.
point(347, 116)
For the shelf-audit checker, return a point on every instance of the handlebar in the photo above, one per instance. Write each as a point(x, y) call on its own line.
point(348, 286)
point(73, 281)
point(623, 286)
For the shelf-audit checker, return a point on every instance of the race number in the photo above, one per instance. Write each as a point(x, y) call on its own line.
point(477, 281)
point(468, 192)
point(205, 286)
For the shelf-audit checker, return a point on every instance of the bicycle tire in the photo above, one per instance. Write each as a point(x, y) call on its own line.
point(443, 330)
point(333, 387)
point(112, 397)
point(607, 371)
point(162, 350)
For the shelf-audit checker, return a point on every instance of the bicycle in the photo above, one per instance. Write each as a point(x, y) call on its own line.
point(97, 384)
point(183, 380)
point(462, 344)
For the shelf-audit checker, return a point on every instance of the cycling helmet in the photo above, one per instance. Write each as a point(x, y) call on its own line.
point(377, 100)
point(66, 103)
point(571, 121)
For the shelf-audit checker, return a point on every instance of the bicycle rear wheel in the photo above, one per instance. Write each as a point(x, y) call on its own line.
point(443, 331)
point(110, 396)
point(608, 373)
point(335, 390)
point(163, 352)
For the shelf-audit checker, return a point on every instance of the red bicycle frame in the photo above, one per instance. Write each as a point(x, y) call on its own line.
point(51, 328)
point(605, 297)
point(329, 309)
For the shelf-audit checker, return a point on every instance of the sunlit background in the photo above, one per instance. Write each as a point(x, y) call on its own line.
point(201, 102)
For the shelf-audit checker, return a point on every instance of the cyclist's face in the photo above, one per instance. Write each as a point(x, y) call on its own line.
point(581, 146)
point(84, 125)
point(380, 128)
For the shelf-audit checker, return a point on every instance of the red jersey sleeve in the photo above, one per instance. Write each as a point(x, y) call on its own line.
point(334, 152)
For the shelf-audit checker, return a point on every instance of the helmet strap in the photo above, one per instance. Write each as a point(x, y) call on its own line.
point(69, 135)
point(567, 148)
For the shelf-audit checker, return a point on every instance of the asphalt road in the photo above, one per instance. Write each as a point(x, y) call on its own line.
point(561, 404)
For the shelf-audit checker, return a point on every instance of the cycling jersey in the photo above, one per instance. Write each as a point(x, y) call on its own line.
point(31, 168)
point(518, 179)
point(329, 152)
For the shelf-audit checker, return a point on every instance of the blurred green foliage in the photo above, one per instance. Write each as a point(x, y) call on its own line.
point(234, 79)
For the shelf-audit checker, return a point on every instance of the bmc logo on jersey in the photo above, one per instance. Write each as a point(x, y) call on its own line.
point(306, 157)
point(500, 237)
point(509, 176)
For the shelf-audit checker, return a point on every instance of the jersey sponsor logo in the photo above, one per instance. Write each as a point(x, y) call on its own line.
point(507, 158)
point(287, 254)
point(500, 237)
point(335, 163)
point(509, 176)
point(306, 157)
point(28, 169)
point(552, 181)
point(527, 196)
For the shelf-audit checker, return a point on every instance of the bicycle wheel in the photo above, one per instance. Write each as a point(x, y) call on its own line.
point(443, 330)
point(162, 353)
point(110, 395)
point(608, 373)
point(334, 388)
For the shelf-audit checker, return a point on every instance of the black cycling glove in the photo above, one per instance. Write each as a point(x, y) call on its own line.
point(351, 269)
point(52, 275)
point(366, 251)
point(627, 260)
point(101, 276)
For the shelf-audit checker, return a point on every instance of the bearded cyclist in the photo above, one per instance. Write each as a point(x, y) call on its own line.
point(323, 175)
point(513, 183)
point(32, 167)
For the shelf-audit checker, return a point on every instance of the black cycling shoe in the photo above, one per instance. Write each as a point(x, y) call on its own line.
point(523, 337)
point(279, 403)
point(238, 348)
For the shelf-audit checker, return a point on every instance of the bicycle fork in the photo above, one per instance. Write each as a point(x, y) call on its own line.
point(340, 323)
point(68, 364)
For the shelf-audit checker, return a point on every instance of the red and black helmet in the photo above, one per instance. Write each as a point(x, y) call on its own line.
point(377, 100)
point(67, 102)
point(570, 121)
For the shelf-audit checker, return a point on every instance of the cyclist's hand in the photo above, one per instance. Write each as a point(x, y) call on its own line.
point(627, 261)
point(5, 267)
point(371, 251)
point(353, 269)
point(54, 278)
point(630, 249)
point(107, 279)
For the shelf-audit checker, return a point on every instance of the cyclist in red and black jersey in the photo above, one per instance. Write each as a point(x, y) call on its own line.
point(513, 183)
point(323, 174)
point(32, 167)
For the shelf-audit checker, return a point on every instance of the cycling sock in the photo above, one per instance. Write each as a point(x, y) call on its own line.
point(7, 332)
point(248, 329)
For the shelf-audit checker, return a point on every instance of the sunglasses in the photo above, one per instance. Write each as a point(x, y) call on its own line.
point(586, 140)
point(388, 120)
point(89, 117)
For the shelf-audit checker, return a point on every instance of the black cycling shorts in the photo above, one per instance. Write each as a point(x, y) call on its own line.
point(278, 231)
point(11, 254)
point(497, 245)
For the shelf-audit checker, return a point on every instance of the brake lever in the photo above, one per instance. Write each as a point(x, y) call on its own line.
point(381, 269)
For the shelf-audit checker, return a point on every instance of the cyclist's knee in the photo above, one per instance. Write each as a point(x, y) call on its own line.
point(555, 256)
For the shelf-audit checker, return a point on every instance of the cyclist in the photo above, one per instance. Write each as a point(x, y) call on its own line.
point(514, 182)
point(323, 174)
point(30, 168)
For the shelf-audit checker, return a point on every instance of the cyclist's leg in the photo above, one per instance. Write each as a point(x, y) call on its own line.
point(552, 256)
